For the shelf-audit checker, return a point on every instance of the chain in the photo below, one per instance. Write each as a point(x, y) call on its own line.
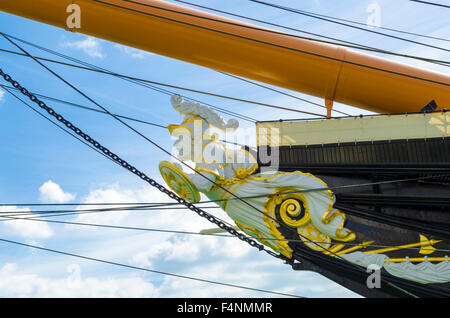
point(137, 172)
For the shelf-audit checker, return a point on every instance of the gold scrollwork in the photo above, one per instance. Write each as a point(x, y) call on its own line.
point(280, 248)
point(179, 182)
point(314, 239)
point(292, 209)
point(329, 216)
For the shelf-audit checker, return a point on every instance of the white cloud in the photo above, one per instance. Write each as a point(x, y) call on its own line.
point(164, 218)
point(24, 228)
point(51, 192)
point(225, 260)
point(221, 259)
point(270, 277)
point(186, 249)
point(16, 283)
point(192, 248)
point(116, 194)
point(20, 282)
point(132, 52)
point(2, 95)
point(90, 46)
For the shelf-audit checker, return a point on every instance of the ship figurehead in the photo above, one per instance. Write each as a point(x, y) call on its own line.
point(285, 211)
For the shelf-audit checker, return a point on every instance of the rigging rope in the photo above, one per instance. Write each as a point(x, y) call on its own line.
point(142, 175)
point(346, 186)
point(192, 90)
point(281, 92)
point(60, 118)
point(147, 269)
point(180, 200)
point(432, 3)
point(91, 109)
point(84, 107)
point(356, 46)
point(297, 191)
point(348, 25)
point(115, 157)
point(152, 182)
point(60, 127)
point(135, 171)
point(379, 27)
point(37, 218)
point(105, 150)
point(146, 83)
point(352, 44)
point(263, 42)
point(152, 207)
point(309, 190)
point(137, 81)
point(191, 206)
point(166, 91)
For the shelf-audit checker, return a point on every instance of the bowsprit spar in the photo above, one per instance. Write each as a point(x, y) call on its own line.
point(337, 195)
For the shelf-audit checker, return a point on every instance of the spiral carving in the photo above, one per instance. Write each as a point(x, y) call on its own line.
point(286, 208)
point(293, 211)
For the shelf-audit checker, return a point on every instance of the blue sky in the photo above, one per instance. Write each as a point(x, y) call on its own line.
point(41, 164)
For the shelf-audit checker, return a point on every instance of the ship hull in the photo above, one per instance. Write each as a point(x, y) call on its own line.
point(394, 192)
